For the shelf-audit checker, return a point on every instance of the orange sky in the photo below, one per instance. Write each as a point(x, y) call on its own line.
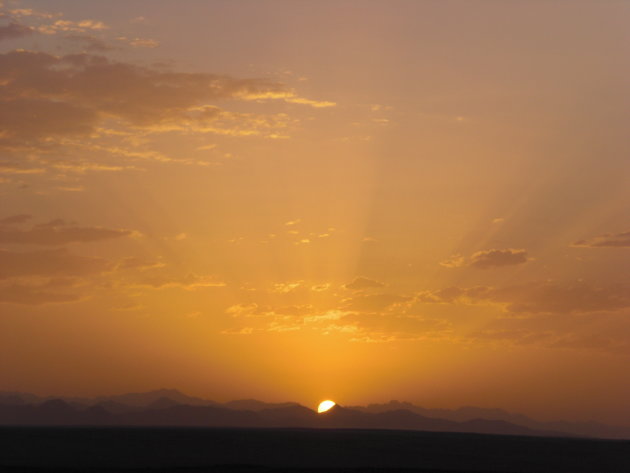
point(297, 200)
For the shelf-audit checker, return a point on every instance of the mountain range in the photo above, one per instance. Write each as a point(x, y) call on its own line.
point(169, 407)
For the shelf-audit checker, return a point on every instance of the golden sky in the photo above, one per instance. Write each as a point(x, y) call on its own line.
point(298, 200)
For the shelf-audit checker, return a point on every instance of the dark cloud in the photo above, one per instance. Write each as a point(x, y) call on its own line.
point(14, 30)
point(26, 120)
point(609, 240)
point(56, 232)
point(498, 258)
point(80, 89)
point(57, 262)
point(363, 283)
point(69, 113)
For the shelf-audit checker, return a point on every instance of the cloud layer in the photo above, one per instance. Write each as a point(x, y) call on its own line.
point(54, 233)
point(608, 240)
point(56, 109)
point(538, 297)
point(487, 259)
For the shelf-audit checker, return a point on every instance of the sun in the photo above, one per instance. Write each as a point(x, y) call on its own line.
point(325, 406)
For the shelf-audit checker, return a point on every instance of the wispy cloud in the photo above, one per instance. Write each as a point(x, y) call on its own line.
point(363, 283)
point(53, 233)
point(608, 240)
point(538, 297)
point(55, 262)
point(14, 30)
point(486, 259)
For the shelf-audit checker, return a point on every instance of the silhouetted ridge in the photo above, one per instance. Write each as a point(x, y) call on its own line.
point(163, 403)
point(254, 405)
point(146, 399)
point(169, 407)
point(289, 416)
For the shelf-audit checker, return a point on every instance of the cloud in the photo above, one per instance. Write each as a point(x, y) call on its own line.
point(55, 110)
point(363, 283)
point(383, 328)
point(14, 30)
point(455, 261)
point(56, 262)
point(364, 319)
point(295, 310)
point(598, 332)
point(520, 336)
point(285, 319)
point(561, 298)
point(135, 263)
point(608, 240)
point(321, 287)
point(29, 295)
point(48, 23)
point(30, 12)
point(616, 344)
point(15, 219)
point(244, 310)
point(105, 88)
point(538, 297)
point(498, 258)
point(286, 287)
point(53, 233)
point(373, 302)
point(89, 42)
point(268, 312)
point(161, 278)
point(138, 95)
point(447, 295)
point(312, 103)
point(139, 42)
point(486, 259)
point(27, 121)
point(548, 314)
point(63, 26)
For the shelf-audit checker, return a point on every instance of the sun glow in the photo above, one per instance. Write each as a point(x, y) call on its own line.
point(325, 406)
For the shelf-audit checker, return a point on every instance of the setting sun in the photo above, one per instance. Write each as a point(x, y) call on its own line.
point(325, 406)
point(428, 203)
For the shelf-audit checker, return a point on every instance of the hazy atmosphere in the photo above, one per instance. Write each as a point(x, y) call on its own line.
point(360, 201)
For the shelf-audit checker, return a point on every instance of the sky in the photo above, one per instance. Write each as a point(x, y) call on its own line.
point(299, 200)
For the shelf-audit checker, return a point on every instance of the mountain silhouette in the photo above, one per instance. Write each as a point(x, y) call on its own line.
point(169, 407)
point(163, 403)
point(254, 405)
point(166, 412)
point(470, 413)
point(147, 398)
point(289, 416)
point(114, 407)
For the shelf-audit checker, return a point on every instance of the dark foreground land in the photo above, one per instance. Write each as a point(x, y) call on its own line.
point(189, 450)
